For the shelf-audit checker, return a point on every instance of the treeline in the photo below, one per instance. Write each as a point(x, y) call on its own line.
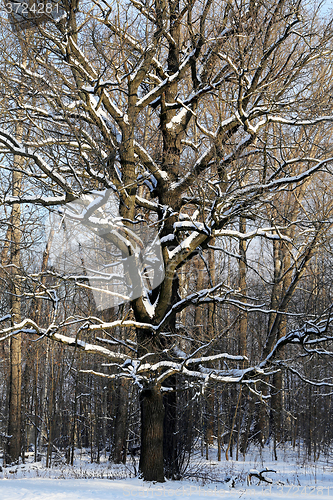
point(65, 405)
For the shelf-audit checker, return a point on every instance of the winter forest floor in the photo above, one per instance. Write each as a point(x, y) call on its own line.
point(295, 478)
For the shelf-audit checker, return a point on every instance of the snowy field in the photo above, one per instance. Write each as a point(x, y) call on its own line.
point(294, 478)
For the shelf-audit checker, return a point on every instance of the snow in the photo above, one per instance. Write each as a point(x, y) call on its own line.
point(89, 489)
point(149, 307)
point(265, 232)
point(223, 355)
point(34, 489)
point(168, 237)
point(88, 347)
point(188, 225)
point(147, 159)
point(295, 478)
point(176, 120)
point(184, 245)
point(157, 91)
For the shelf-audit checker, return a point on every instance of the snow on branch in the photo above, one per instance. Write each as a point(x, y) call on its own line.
point(300, 336)
point(263, 232)
point(247, 194)
point(26, 326)
point(14, 146)
point(317, 383)
point(159, 89)
point(160, 175)
point(299, 123)
point(46, 201)
point(127, 323)
point(30, 327)
point(191, 366)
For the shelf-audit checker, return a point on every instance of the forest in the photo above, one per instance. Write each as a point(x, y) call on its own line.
point(166, 230)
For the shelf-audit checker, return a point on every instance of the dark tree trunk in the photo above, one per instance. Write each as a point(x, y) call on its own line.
point(120, 430)
point(152, 415)
point(156, 451)
point(248, 421)
point(209, 424)
point(14, 425)
point(277, 407)
point(171, 441)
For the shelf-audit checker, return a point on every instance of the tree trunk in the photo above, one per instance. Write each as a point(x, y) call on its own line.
point(159, 418)
point(120, 431)
point(242, 286)
point(263, 417)
point(14, 424)
point(170, 428)
point(152, 415)
point(248, 422)
point(15, 380)
point(209, 431)
point(277, 396)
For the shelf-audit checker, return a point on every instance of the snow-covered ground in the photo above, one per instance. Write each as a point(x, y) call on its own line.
point(294, 478)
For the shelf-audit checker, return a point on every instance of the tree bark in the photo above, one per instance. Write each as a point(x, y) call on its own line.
point(170, 428)
point(120, 431)
point(277, 396)
point(15, 380)
point(152, 415)
point(14, 424)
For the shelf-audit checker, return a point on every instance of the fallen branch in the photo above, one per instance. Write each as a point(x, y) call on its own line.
point(259, 475)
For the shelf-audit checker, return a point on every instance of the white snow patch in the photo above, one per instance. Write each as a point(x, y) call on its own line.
point(176, 120)
point(295, 478)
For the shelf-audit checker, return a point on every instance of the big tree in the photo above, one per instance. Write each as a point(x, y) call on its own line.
point(184, 111)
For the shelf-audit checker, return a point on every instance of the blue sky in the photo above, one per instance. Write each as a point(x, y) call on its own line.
point(327, 5)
